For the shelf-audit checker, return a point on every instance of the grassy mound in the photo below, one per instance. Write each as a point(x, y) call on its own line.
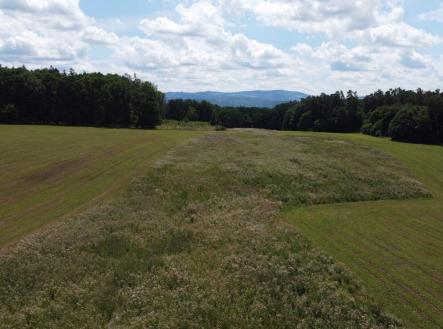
point(197, 244)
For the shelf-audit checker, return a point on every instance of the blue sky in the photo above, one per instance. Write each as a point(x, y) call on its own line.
point(308, 45)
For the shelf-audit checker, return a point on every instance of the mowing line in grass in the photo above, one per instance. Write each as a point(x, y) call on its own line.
point(395, 247)
point(48, 172)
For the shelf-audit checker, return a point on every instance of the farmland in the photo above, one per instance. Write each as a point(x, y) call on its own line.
point(394, 247)
point(227, 229)
point(50, 172)
point(214, 164)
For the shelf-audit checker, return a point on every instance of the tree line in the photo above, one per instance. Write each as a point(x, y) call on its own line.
point(48, 96)
point(317, 113)
point(403, 115)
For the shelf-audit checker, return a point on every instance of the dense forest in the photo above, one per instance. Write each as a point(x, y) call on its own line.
point(48, 96)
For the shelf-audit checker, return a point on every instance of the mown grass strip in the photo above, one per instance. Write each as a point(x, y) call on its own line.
point(395, 247)
point(48, 172)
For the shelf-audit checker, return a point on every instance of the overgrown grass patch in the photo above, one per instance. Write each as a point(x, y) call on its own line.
point(307, 170)
point(185, 125)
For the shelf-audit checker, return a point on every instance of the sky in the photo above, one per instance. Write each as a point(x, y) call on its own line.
point(311, 46)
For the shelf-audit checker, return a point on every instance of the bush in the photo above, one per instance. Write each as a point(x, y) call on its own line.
point(411, 124)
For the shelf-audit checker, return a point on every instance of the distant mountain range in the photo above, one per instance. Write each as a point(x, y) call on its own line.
point(256, 98)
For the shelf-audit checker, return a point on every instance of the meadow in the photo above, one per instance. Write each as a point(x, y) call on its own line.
point(219, 229)
point(395, 247)
point(198, 242)
point(48, 172)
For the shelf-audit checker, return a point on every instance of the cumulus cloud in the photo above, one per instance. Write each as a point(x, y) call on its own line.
point(331, 17)
point(202, 18)
point(198, 45)
point(53, 14)
point(366, 68)
point(398, 34)
point(362, 44)
point(50, 6)
point(47, 32)
point(372, 21)
point(95, 35)
point(23, 38)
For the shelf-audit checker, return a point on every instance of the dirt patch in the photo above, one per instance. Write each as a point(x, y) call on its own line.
point(54, 171)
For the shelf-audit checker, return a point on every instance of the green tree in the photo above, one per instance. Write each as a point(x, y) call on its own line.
point(411, 124)
point(191, 114)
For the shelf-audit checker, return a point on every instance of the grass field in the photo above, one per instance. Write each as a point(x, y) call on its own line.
point(49, 172)
point(394, 247)
point(198, 240)
point(197, 243)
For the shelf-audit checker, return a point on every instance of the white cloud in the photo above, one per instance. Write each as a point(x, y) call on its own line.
point(363, 44)
point(57, 6)
point(195, 48)
point(202, 18)
point(93, 34)
point(50, 32)
point(366, 21)
point(53, 14)
point(198, 46)
point(398, 34)
point(435, 15)
point(330, 17)
point(366, 68)
point(24, 38)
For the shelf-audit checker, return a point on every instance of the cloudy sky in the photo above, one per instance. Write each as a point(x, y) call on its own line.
point(192, 45)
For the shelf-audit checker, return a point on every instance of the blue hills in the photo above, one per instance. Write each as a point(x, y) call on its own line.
point(255, 98)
